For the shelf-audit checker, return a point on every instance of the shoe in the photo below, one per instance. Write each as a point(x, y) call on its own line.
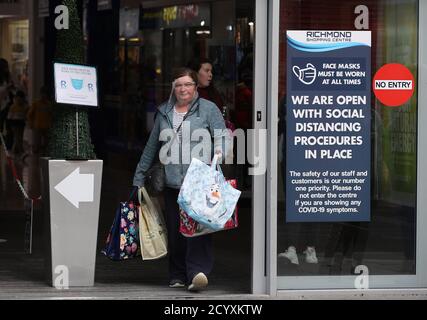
point(199, 282)
point(310, 255)
point(176, 283)
point(290, 254)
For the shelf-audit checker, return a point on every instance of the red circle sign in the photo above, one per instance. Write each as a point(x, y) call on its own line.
point(393, 84)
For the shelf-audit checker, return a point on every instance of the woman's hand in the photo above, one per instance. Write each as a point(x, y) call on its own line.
point(218, 153)
point(133, 197)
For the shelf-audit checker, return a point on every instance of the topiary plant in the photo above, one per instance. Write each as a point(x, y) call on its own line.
point(63, 134)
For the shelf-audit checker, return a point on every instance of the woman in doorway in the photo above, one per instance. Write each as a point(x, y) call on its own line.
point(190, 259)
point(207, 90)
point(205, 86)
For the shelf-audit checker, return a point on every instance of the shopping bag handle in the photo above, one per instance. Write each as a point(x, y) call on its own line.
point(216, 166)
point(215, 159)
point(132, 194)
point(140, 195)
point(143, 194)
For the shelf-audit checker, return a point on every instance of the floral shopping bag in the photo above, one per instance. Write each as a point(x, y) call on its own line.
point(206, 196)
point(123, 239)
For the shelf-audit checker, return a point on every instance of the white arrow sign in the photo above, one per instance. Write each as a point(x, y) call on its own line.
point(77, 187)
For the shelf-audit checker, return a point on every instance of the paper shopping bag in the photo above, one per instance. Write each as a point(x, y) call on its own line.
point(152, 229)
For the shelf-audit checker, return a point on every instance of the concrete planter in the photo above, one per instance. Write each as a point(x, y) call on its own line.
point(71, 198)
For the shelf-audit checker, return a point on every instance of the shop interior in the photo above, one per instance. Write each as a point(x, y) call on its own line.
point(385, 244)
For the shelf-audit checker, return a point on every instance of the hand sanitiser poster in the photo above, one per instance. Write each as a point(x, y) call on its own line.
point(328, 126)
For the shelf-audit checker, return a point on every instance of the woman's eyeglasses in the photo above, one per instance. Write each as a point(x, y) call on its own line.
point(185, 85)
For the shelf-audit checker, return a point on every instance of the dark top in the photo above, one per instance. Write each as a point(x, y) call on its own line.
point(211, 94)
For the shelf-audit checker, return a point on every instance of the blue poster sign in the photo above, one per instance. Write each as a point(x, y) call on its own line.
point(328, 126)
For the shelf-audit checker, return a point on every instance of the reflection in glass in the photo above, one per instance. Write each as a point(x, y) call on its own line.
point(386, 244)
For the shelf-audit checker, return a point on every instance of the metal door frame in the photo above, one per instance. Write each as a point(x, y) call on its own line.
point(264, 277)
point(264, 267)
point(259, 240)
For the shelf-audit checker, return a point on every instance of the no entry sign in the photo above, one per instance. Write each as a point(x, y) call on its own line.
point(393, 84)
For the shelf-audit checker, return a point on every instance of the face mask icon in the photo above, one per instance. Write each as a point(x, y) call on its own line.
point(306, 75)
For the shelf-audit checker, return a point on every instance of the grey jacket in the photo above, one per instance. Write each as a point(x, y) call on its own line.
point(202, 114)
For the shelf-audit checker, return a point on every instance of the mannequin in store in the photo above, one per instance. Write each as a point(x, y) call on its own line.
point(307, 231)
point(306, 239)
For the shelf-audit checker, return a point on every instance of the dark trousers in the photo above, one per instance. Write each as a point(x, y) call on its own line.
point(187, 256)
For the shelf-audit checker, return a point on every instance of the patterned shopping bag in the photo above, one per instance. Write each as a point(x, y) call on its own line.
point(123, 239)
point(206, 196)
point(190, 228)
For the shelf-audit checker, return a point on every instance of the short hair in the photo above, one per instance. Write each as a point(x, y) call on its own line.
point(182, 72)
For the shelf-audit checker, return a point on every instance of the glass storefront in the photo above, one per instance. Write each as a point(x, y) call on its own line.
point(154, 38)
point(15, 48)
point(386, 244)
point(137, 44)
point(153, 41)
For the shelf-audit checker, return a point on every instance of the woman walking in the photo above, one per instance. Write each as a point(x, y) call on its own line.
point(190, 259)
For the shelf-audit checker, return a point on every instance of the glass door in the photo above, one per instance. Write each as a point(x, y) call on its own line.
point(348, 244)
